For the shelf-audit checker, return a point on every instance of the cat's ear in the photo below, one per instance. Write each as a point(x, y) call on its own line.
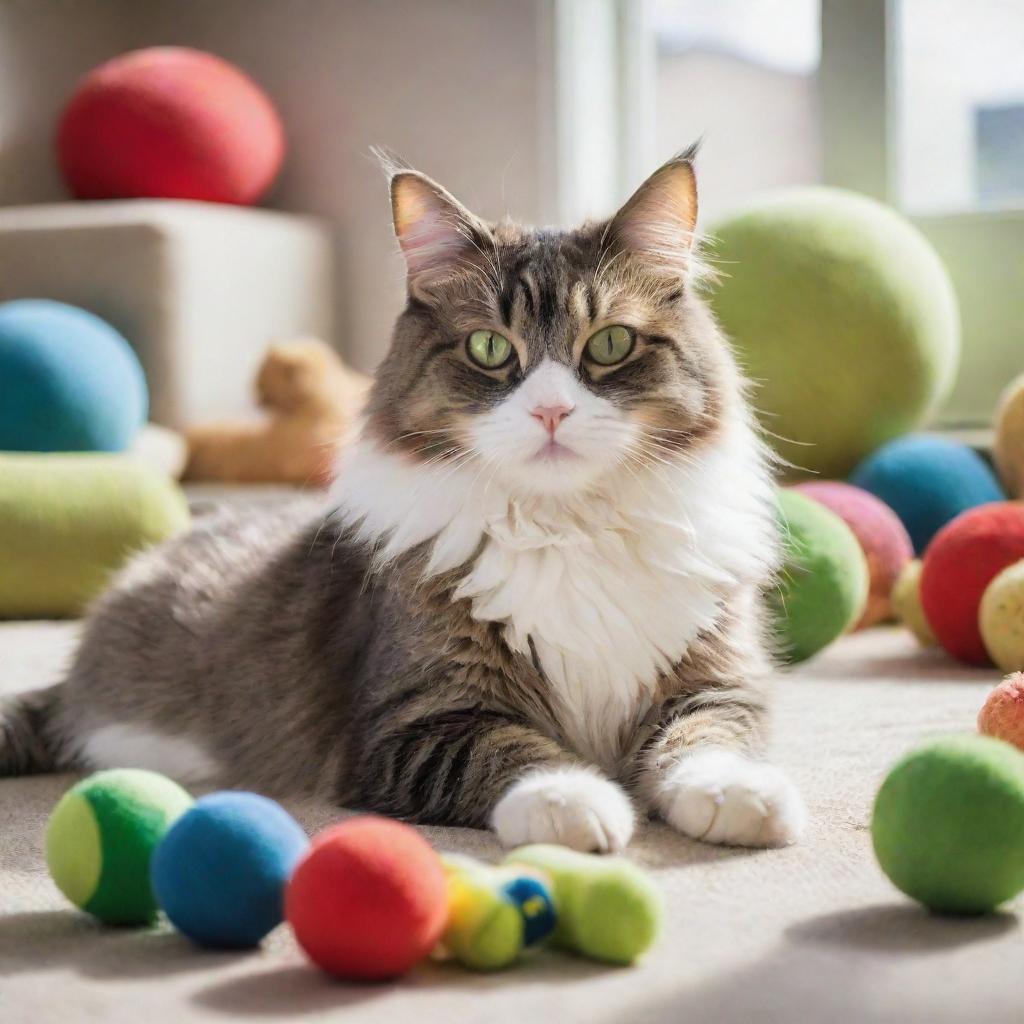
point(438, 235)
point(657, 223)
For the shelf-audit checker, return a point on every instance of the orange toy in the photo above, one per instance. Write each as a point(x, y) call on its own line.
point(369, 900)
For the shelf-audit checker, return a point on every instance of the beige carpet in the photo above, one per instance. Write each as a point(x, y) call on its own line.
point(813, 933)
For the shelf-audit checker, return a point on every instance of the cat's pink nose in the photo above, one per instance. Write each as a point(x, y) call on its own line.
point(551, 415)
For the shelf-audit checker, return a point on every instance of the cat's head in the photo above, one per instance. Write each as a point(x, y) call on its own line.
point(549, 359)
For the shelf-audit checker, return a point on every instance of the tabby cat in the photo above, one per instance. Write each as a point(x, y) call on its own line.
point(534, 600)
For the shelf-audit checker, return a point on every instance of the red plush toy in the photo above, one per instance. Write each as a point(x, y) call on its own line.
point(368, 900)
point(961, 561)
point(170, 123)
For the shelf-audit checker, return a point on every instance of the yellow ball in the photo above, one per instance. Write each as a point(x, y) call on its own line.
point(1001, 618)
point(1008, 448)
point(906, 603)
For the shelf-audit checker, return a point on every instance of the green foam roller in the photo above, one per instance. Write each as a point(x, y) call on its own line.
point(68, 521)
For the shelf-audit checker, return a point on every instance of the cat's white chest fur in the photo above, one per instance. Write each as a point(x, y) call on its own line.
point(605, 590)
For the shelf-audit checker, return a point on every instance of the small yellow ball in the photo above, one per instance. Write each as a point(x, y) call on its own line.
point(906, 603)
point(1001, 618)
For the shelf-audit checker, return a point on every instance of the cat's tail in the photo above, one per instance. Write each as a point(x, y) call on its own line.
point(29, 744)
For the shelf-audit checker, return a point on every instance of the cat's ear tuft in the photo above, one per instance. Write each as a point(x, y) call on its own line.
point(438, 235)
point(657, 223)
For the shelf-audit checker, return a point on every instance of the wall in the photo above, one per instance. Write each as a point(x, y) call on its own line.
point(460, 88)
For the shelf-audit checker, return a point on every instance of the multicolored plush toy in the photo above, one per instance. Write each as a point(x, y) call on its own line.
point(607, 908)
point(494, 913)
point(220, 872)
point(101, 837)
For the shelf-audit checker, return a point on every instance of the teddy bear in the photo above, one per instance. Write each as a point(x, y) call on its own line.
point(310, 399)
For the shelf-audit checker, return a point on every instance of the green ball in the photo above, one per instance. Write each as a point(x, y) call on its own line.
point(843, 313)
point(823, 587)
point(101, 836)
point(948, 824)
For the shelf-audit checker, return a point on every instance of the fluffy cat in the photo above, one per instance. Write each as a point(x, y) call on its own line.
point(535, 601)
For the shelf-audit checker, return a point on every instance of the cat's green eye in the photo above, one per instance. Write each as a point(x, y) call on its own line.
point(489, 349)
point(610, 345)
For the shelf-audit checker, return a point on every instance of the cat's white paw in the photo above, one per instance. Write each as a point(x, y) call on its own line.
point(720, 796)
point(569, 806)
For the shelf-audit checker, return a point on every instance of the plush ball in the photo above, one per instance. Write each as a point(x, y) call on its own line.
point(823, 587)
point(170, 123)
point(369, 900)
point(906, 603)
point(927, 481)
point(1001, 618)
point(68, 381)
point(101, 837)
point(881, 535)
point(1008, 445)
point(846, 317)
point(1002, 714)
point(607, 908)
point(68, 521)
point(962, 560)
point(220, 872)
point(948, 824)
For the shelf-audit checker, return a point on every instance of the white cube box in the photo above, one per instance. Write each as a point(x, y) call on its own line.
point(199, 289)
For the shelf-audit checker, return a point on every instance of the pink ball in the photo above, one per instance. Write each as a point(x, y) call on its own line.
point(886, 543)
point(170, 123)
point(1002, 715)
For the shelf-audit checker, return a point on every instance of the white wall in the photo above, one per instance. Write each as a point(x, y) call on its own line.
point(760, 125)
point(460, 88)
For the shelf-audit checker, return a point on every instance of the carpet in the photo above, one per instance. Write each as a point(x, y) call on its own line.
point(807, 934)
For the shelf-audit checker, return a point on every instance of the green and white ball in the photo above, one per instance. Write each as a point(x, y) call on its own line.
point(843, 314)
point(101, 837)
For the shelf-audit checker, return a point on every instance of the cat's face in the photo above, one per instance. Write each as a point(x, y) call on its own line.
point(548, 360)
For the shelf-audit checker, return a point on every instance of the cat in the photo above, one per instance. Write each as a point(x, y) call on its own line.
point(534, 601)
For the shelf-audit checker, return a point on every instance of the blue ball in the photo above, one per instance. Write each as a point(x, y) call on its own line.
point(68, 381)
point(220, 872)
point(927, 481)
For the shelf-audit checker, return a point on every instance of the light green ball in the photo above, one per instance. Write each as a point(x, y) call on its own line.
point(948, 824)
point(608, 909)
point(101, 836)
point(843, 314)
point(823, 587)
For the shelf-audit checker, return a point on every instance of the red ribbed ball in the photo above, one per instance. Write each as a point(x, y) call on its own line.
point(369, 900)
point(170, 123)
point(886, 543)
point(960, 562)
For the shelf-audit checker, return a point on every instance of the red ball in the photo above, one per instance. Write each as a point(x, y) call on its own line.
point(884, 539)
point(170, 123)
point(368, 900)
point(960, 562)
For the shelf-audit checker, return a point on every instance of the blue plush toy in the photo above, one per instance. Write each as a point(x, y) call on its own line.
point(927, 481)
point(219, 873)
point(68, 381)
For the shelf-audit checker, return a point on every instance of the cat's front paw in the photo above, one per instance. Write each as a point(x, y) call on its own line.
point(569, 806)
point(720, 796)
